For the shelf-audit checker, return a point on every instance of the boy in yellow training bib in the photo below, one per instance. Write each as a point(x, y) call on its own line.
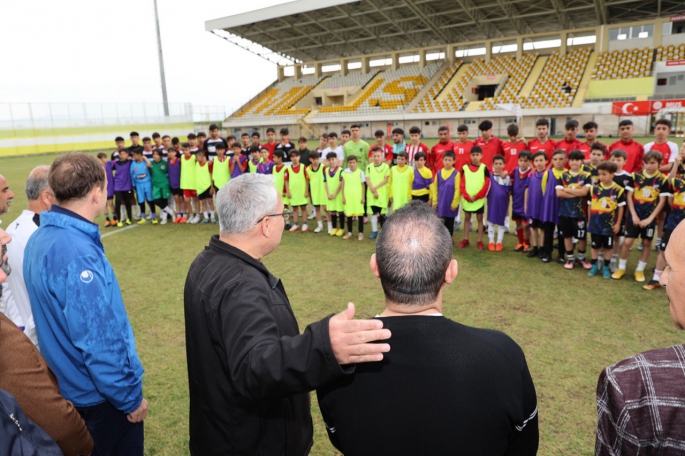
point(353, 181)
point(377, 176)
point(297, 190)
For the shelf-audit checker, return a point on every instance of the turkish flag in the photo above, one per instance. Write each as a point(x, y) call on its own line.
point(631, 108)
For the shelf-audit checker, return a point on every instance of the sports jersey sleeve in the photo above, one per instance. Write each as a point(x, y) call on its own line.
point(433, 190)
point(630, 186)
point(362, 177)
point(486, 186)
point(457, 194)
point(674, 151)
point(666, 187)
point(286, 175)
point(621, 200)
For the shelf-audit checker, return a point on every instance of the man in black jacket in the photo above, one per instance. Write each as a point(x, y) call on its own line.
point(445, 388)
point(250, 370)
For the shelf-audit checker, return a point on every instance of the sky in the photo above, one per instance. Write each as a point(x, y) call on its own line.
point(106, 51)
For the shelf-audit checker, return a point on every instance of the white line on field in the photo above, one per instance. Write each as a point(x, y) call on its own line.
point(121, 230)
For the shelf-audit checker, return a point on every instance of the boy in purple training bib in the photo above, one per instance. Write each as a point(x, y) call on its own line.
point(445, 192)
point(498, 203)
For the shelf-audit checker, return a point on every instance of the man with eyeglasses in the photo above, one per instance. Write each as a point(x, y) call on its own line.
point(16, 297)
point(641, 400)
point(250, 370)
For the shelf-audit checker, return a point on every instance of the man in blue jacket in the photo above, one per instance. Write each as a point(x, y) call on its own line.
point(79, 313)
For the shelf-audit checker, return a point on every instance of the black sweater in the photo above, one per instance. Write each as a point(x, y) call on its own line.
point(444, 389)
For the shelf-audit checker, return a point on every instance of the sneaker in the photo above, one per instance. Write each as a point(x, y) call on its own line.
point(183, 219)
point(613, 266)
point(546, 258)
point(318, 229)
point(334, 232)
point(639, 276)
point(142, 222)
point(618, 275)
point(148, 217)
point(311, 216)
point(294, 228)
point(499, 247)
point(606, 272)
point(137, 217)
point(652, 285)
point(288, 226)
point(163, 222)
point(569, 264)
point(561, 260)
point(189, 218)
point(491, 246)
point(594, 269)
point(178, 219)
point(481, 246)
point(526, 247)
point(464, 243)
point(373, 235)
point(204, 222)
point(155, 222)
point(305, 228)
point(533, 252)
point(541, 254)
point(195, 219)
point(456, 226)
point(213, 220)
point(108, 223)
point(128, 222)
point(360, 237)
point(341, 232)
point(119, 224)
point(640, 247)
point(585, 263)
point(519, 247)
point(347, 236)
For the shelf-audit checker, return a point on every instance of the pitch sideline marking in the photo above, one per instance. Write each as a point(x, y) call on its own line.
point(118, 231)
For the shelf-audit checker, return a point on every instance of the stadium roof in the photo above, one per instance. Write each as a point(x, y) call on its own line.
point(316, 30)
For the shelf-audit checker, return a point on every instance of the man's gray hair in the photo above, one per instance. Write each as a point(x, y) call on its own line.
point(243, 201)
point(413, 252)
point(37, 182)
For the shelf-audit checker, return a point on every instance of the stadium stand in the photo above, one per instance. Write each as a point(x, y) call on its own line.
point(636, 63)
point(278, 100)
point(518, 72)
point(671, 52)
point(428, 103)
point(353, 79)
point(387, 91)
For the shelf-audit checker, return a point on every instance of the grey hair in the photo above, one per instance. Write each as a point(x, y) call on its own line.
point(243, 201)
point(413, 252)
point(37, 182)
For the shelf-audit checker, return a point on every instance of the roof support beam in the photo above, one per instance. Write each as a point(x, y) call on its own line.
point(470, 10)
point(562, 15)
point(519, 24)
point(366, 24)
point(331, 31)
point(601, 12)
point(435, 25)
point(396, 21)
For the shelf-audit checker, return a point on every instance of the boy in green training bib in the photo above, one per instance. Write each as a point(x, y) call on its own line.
point(160, 186)
point(377, 190)
point(297, 190)
point(317, 192)
point(205, 186)
point(332, 182)
point(279, 171)
point(400, 182)
point(474, 186)
point(353, 183)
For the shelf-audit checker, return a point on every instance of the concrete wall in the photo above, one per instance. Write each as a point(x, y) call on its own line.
point(619, 45)
point(614, 88)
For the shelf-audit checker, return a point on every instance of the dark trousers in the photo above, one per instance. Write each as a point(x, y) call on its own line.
point(548, 227)
point(350, 222)
point(111, 431)
point(122, 197)
point(449, 224)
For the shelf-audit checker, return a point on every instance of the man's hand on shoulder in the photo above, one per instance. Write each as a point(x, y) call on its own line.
point(352, 339)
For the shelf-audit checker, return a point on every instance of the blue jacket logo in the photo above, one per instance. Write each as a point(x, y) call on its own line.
point(86, 276)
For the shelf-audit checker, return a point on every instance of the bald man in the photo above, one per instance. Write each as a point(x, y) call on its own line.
point(6, 196)
point(17, 303)
point(641, 400)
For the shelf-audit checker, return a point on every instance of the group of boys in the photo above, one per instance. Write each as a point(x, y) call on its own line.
point(563, 189)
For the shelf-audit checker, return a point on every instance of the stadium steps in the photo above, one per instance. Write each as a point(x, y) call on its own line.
point(533, 77)
point(453, 82)
point(585, 82)
point(473, 106)
point(427, 87)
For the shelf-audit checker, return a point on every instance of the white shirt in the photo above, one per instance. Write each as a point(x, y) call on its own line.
point(338, 151)
point(671, 145)
point(17, 304)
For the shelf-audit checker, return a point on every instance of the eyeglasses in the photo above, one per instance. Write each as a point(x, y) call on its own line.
point(284, 214)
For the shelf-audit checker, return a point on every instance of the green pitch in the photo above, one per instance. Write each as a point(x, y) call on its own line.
point(569, 326)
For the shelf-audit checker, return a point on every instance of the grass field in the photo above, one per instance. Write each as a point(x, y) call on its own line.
point(570, 326)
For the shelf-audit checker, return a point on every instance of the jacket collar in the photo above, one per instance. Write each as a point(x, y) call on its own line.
point(218, 245)
point(64, 218)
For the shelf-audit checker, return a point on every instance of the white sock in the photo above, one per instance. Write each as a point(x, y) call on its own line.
point(206, 214)
point(657, 275)
point(640, 266)
point(500, 234)
point(330, 226)
point(622, 263)
point(211, 214)
point(506, 221)
point(168, 210)
point(491, 233)
point(319, 224)
point(374, 222)
point(614, 257)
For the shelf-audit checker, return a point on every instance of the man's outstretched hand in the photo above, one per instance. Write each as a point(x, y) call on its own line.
point(351, 339)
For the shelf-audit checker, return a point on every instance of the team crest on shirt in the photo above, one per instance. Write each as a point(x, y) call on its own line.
point(86, 276)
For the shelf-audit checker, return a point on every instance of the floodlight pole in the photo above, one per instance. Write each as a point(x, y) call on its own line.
point(161, 63)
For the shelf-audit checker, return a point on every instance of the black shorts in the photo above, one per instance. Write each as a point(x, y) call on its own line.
point(600, 241)
point(515, 216)
point(535, 223)
point(634, 231)
point(573, 228)
point(177, 192)
point(424, 198)
point(110, 198)
point(477, 211)
point(205, 195)
point(665, 237)
point(375, 210)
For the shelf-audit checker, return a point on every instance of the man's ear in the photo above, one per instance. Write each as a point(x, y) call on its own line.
point(374, 266)
point(452, 271)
